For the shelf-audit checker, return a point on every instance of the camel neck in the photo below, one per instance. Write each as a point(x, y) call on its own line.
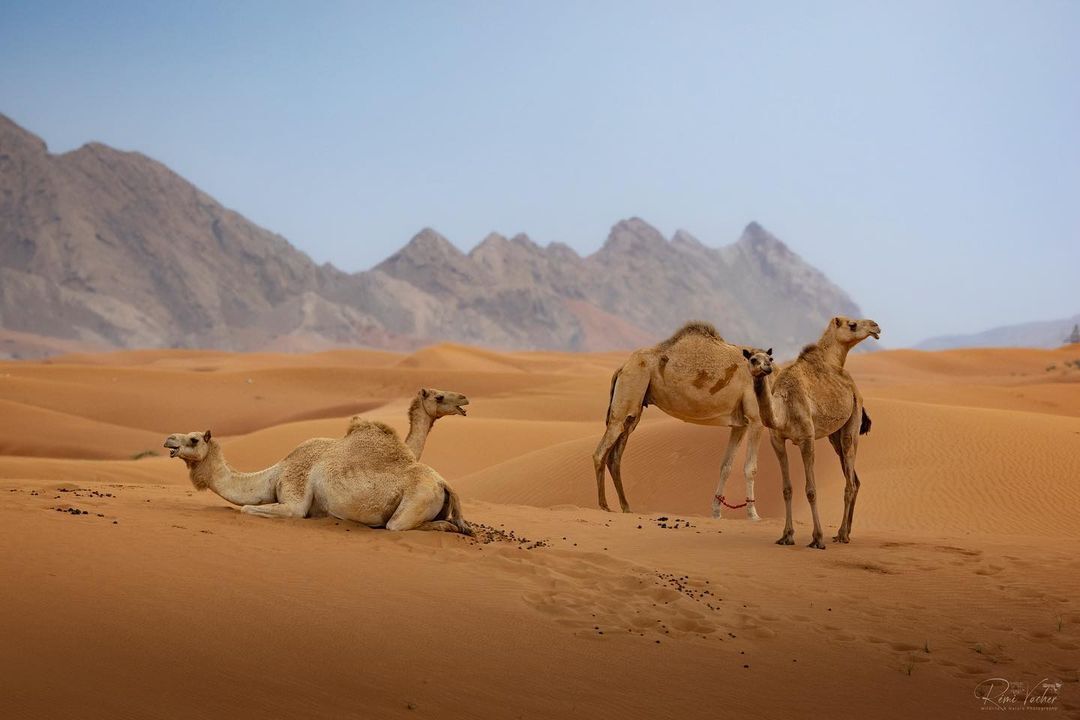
point(420, 424)
point(239, 488)
point(771, 415)
point(834, 352)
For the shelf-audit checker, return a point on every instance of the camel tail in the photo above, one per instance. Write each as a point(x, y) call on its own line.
point(864, 426)
point(611, 394)
point(452, 511)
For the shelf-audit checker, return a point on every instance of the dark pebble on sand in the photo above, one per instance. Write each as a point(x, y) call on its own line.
point(746, 666)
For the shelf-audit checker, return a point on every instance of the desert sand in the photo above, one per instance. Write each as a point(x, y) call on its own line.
point(157, 601)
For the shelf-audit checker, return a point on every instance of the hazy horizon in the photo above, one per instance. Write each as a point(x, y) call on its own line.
point(923, 156)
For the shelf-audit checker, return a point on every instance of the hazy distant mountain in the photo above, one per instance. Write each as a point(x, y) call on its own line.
point(1047, 334)
point(113, 249)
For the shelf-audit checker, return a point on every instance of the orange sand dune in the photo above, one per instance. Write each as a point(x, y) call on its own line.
point(160, 601)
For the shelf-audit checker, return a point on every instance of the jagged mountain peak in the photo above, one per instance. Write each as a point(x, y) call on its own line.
point(684, 238)
point(14, 136)
point(635, 236)
point(757, 237)
point(429, 242)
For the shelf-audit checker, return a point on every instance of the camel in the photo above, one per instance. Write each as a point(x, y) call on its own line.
point(694, 376)
point(811, 398)
point(369, 476)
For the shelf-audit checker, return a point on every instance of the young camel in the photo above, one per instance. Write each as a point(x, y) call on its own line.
point(815, 397)
point(370, 476)
point(694, 376)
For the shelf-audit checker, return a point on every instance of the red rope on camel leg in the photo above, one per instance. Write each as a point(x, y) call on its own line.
point(720, 499)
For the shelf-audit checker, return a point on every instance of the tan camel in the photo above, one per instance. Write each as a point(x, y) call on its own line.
point(811, 398)
point(370, 476)
point(694, 376)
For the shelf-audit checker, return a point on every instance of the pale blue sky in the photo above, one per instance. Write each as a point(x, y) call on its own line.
point(926, 156)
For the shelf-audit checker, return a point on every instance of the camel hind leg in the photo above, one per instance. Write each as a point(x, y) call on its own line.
point(418, 508)
point(845, 442)
point(614, 461)
point(624, 412)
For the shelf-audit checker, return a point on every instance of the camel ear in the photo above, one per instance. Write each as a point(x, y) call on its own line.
point(838, 321)
point(746, 353)
point(769, 352)
point(206, 436)
point(424, 392)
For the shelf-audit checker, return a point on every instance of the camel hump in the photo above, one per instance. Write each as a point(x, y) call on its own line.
point(697, 328)
point(358, 424)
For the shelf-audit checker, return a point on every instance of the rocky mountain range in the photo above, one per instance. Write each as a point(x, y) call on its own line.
point(112, 249)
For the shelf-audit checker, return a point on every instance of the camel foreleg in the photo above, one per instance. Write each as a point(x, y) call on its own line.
point(734, 440)
point(753, 440)
point(779, 445)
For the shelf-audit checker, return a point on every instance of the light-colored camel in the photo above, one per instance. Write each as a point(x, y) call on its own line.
point(811, 398)
point(694, 376)
point(370, 476)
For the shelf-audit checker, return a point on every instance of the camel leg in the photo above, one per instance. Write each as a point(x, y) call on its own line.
point(438, 525)
point(845, 442)
point(279, 510)
point(417, 508)
point(614, 461)
point(780, 448)
point(807, 447)
point(750, 469)
point(610, 439)
point(734, 440)
point(836, 440)
point(624, 411)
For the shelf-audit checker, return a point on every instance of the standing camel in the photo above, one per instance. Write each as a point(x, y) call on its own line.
point(815, 397)
point(694, 376)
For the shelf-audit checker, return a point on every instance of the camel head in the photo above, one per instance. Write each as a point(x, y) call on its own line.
point(437, 403)
point(759, 361)
point(851, 332)
point(190, 447)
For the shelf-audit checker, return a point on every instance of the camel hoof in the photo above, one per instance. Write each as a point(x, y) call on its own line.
point(716, 514)
point(786, 540)
point(626, 508)
point(754, 518)
point(605, 508)
point(817, 545)
point(841, 539)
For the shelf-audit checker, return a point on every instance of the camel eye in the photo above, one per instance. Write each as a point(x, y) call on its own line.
point(852, 325)
point(438, 398)
point(755, 361)
point(194, 442)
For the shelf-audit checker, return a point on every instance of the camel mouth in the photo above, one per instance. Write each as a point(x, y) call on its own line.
point(876, 334)
point(460, 410)
point(174, 447)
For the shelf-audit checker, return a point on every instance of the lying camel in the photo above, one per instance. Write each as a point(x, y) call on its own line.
point(815, 397)
point(370, 476)
point(694, 376)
